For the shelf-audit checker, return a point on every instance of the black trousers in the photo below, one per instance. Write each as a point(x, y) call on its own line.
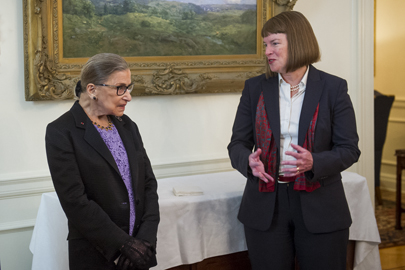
point(288, 238)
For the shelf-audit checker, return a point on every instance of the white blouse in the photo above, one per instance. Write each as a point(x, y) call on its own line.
point(290, 111)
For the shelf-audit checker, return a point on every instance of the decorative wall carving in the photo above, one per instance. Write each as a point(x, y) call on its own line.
point(288, 4)
point(283, 5)
point(172, 81)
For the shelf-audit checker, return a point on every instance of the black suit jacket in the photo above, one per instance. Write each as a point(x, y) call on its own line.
point(335, 149)
point(90, 188)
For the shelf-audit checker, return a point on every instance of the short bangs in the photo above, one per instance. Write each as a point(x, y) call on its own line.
point(303, 48)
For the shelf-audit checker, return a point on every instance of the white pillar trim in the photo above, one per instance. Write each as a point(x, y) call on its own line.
point(363, 76)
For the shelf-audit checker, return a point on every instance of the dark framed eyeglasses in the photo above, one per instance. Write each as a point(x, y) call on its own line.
point(121, 89)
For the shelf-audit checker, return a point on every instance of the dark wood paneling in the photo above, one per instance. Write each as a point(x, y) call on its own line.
point(234, 261)
point(240, 261)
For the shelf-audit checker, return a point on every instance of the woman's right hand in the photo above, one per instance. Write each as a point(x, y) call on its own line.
point(257, 166)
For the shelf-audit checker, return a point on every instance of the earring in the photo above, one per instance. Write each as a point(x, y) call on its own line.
point(94, 98)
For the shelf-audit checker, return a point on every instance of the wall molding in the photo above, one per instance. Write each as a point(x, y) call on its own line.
point(388, 162)
point(31, 186)
point(399, 103)
point(35, 186)
point(17, 225)
point(396, 120)
point(22, 180)
point(25, 193)
point(192, 168)
point(389, 182)
point(25, 187)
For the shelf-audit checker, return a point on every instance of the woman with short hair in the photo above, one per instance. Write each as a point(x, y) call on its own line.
point(301, 125)
point(102, 174)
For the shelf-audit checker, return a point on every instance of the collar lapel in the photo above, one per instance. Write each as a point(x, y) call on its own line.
point(271, 100)
point(313, 94)
point(91, 135)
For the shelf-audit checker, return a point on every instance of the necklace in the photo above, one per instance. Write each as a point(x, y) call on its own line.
point(109, 127)
point(294, 88)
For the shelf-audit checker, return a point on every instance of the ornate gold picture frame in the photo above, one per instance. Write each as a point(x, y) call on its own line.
point(49, 76)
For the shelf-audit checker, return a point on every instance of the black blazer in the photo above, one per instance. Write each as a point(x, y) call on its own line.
point(335, 149)
point(90, 188)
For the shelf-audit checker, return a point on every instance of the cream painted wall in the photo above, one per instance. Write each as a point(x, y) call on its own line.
point(389, 78)
point(390, 54)
point(182, 134)
point(345, 31)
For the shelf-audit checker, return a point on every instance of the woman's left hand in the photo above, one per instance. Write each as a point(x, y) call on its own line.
point(303, 161)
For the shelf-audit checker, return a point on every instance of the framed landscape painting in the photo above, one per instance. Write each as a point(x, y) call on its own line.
point(172, 47)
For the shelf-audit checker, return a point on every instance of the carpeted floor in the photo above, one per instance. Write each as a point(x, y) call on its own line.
point(385, 216)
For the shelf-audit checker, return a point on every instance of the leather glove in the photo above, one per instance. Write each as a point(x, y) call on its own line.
point(135, 253)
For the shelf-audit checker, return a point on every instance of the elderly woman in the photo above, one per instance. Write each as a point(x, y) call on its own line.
point(301, 123)
point(102, 174)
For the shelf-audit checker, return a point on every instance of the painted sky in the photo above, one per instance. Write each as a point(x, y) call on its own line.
point(217, 2)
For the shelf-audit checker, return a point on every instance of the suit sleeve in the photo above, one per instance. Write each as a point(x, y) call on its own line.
point(84, 214)
point(344, 149)
point(242, 141)
point(150, 218)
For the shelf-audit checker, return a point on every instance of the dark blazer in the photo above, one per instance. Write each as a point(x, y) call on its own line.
point(335, 149)
point(90, 188)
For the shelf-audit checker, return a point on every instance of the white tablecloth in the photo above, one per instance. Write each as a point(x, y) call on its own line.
point(193, 228)
point(364, 228)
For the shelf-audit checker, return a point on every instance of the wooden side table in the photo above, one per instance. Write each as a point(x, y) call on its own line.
point(400, 166)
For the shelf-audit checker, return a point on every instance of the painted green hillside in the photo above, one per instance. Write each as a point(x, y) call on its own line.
point(156, 28)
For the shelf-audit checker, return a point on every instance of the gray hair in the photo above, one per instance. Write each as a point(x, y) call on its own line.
point(98, 69)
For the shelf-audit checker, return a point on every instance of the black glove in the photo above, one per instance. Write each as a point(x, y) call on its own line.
point(135, 253)
point(124, 263)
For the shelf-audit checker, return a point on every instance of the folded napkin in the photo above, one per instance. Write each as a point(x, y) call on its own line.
point(187, 191)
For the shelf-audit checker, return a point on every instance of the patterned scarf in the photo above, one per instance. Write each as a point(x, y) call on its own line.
point(265, 141)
